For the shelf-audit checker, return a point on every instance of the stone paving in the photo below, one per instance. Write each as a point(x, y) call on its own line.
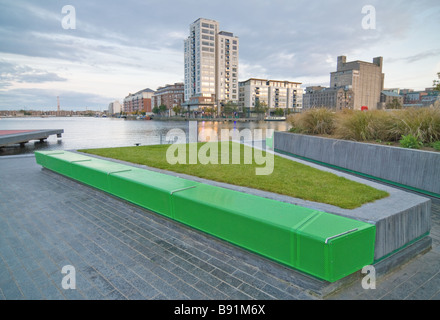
point(120, 251)
point(417, 280)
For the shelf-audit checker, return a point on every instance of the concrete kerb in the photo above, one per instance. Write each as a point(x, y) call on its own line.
point(399, 166)
point(391, 250)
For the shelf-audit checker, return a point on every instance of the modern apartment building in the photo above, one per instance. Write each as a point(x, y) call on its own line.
point(139, 102)
point(211, 65)
point(273, 93)
point(364, 78)
point(114, 107)
point(227, 67)
point(170, 95)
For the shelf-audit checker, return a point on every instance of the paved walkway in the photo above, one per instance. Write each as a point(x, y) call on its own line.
point(417, 280)
point(120, 251)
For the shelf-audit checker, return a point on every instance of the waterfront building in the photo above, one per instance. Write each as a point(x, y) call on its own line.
point(139, 101)
point(275, 94)
point(358, 81)
point(170, 95)
point(227, 68)
point(388, 97)
point(364, 78)
point(423, 98)
point(114, 108)
point(211, 66)
point(431, 97)
point(332, 98)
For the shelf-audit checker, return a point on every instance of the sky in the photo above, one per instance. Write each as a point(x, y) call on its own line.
point(95, 52)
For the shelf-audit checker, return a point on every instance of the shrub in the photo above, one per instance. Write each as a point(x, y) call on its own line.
point(436, 145)
point(366, 126)
point(374, 125)
point(410, 141)
point(423, 123)
point(313, 121)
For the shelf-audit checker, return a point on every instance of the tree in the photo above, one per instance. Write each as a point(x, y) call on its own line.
point(260, 108)
point(279, 112)
point(156, 110)
point(177, 110)
point(437, 83)
point(394, 104)
point(210, 111)
point(230, 108)
point(162, 109)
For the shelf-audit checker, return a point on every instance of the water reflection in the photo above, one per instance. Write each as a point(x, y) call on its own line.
point(81, 133)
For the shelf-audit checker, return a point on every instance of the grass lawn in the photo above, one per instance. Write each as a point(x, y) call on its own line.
point(288, 177)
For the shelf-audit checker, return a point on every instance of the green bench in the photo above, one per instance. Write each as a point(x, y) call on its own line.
point(321, 244)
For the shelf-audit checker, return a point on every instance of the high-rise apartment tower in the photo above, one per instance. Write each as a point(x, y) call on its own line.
point(211, 66)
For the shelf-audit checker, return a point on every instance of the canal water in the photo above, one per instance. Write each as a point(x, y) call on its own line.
point(84, 132)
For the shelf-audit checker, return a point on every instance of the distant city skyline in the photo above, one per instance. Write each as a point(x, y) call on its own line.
point(116, 48)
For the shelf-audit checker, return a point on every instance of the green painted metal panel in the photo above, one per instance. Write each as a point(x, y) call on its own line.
point(59, 161)
point(340, 246)
point(312, 241)
point(149, 189)
point(324, 245)
point(96, 172)
point(258, 224)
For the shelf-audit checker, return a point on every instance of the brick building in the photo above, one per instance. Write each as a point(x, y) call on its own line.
point(170, 95)
point(139, 102)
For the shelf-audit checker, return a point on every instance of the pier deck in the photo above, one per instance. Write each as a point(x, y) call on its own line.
point(11, 137)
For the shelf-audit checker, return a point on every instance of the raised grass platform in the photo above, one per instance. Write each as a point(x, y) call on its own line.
point(327, 246)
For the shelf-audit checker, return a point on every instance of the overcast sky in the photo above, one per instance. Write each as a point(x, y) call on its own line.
point(121, 47)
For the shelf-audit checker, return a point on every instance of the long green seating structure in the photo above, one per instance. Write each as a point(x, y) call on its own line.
point(324, 245)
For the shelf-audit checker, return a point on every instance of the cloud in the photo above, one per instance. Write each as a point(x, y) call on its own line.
point(124, 46)
point(10, 73)
point(45, 99)
point(417, 57)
